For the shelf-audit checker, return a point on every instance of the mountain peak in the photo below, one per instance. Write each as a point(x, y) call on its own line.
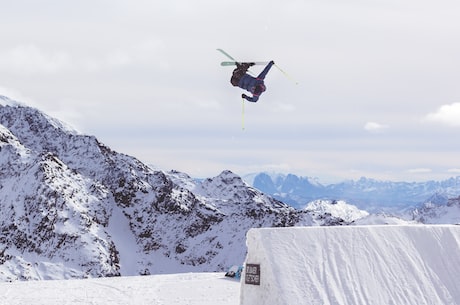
point(34, 128)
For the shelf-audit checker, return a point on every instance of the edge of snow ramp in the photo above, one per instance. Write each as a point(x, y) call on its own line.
point(408, 264)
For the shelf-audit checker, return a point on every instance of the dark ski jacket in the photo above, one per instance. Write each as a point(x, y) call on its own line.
point(255, 85)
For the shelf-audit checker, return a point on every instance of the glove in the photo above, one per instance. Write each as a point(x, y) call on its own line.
point(246, 65)
point(244, 96)
point(272, 62)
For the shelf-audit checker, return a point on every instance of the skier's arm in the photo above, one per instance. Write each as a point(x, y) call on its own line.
point(253, 99)
point(265, 70)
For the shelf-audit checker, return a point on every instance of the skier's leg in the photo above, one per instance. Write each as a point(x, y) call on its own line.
point(265, 70)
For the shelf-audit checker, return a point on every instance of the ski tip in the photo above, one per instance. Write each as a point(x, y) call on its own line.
point(228, 63)
point(233, 63)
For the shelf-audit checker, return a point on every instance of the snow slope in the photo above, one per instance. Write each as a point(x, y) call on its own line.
point(177, 289)
point(416, 264)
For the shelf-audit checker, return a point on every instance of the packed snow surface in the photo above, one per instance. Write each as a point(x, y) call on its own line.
point(411, 264)
point(400, 265)
point(173, 289)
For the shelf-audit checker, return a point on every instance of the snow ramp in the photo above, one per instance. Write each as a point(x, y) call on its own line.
point(415, 264)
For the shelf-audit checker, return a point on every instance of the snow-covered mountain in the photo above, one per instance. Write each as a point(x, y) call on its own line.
point(72, 207)
point(368, 194)
point(334, 212)
point(432, 212)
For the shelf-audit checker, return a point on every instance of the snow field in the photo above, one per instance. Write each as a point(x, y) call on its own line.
point(415, 264)
point(173, 289)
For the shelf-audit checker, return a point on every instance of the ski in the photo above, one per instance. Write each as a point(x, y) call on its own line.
point(226, 54)
point(233, 63)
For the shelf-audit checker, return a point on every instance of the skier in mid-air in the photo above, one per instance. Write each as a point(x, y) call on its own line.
point(255, 85)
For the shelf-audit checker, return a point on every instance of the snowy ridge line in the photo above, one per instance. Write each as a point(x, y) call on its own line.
point(6, 101)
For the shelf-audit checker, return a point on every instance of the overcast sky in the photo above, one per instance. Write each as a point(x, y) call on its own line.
point(378, 93)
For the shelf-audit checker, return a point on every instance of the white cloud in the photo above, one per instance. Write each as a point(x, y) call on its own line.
point(29, 59)
point(375, 127)
point(454, 170)
point(148, 52)
point(419, 170)
point(283, 107)
point(119, 58)
point(446, 114)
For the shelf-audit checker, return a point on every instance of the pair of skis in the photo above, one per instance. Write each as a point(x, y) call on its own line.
point(234, 61)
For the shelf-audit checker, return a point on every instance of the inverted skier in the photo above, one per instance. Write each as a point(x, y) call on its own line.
point(254, 85)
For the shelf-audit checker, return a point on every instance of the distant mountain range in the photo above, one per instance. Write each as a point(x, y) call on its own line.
point(368, 194)
point(71, 207)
